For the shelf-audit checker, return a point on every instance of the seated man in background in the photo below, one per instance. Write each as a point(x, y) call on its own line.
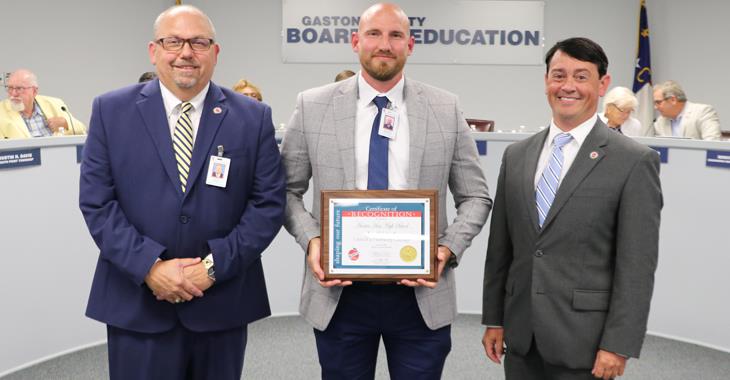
point(681, 118)
point(25, 114)
point(247, 88)
point(618, 104)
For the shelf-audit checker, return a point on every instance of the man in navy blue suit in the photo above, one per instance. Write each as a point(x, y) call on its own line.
point(179, 274)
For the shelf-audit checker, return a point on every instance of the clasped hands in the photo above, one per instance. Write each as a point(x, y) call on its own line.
point(178, 280)
point(313, 259)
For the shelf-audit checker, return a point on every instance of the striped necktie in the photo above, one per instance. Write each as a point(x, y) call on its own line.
point(182, 143)
point(549, 181)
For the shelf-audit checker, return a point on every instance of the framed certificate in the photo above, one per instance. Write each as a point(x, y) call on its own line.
point(379, 235)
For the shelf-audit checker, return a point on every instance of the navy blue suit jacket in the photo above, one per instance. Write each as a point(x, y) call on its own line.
point(134, 207)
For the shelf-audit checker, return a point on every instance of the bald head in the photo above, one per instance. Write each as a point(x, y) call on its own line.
point(384, 8)
point(177, 10)
point(383, 42)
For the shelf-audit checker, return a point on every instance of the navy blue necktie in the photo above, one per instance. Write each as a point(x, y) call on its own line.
point(378, 157)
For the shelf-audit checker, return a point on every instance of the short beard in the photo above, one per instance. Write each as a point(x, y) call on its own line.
point(185, 82)
point(384, 74)
point(17, 106)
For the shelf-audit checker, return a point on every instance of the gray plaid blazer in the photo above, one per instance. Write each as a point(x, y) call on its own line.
point(320, 144)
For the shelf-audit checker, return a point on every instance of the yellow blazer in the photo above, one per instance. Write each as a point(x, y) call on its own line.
point(12, 125)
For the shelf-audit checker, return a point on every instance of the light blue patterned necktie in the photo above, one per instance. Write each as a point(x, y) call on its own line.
point(547, 187)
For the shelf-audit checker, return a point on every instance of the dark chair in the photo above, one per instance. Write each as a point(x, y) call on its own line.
point(481, 125)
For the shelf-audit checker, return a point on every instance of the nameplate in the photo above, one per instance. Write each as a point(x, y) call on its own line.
point(718, 158)
point(79, 153)
point(482, 147)
point(18, 158)
point(663, 153)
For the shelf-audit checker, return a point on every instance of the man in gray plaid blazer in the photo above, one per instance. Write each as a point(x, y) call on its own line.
point(328, 139)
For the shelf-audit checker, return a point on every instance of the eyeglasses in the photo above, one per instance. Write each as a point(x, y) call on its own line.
point(660, 101)
point(619, 109)
point(176, 44)
point(17, 88)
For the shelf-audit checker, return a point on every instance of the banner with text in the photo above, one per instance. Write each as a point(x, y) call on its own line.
point(456, 32)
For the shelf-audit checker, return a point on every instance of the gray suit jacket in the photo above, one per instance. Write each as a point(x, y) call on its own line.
point(320, 144)
point(584, 281)
point(699, 121)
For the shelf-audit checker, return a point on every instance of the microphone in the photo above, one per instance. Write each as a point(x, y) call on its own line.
point(70, 119)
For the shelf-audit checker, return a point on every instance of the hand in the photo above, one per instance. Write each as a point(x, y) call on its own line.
point(54, 123)
point(493, 342)
point(313, 252)
point(608, 365)
point(198, 275)
point(442, 256)
point(167, 282)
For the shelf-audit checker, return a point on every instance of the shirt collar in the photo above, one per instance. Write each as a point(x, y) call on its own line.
point(579, 133)
point(681, 113)
point(366, 93)
point(36, 109)
point(172, 103)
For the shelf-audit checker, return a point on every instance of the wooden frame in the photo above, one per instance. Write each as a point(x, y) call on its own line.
point(425, 200)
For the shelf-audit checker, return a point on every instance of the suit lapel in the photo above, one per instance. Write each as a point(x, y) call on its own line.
point(531, 156)
point(418, 128)
point(667, 127)
point(214, 111)
point(589, 155)
point(152, 111)
point(686, 117)
point(345, 117)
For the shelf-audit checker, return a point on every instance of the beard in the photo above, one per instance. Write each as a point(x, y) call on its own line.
point(17, 105)
point(382, 71)
point(185, 82)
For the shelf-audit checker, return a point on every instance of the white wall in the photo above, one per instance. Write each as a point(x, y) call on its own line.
point(81, 48)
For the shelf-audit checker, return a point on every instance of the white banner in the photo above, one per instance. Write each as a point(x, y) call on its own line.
point(457, 32)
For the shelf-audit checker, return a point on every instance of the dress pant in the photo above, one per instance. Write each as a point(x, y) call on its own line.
point(176, 354)
point(348, 348)
point(533, 367)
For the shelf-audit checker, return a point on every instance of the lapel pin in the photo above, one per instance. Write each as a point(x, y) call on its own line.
point(594, 155)
point(217, 110)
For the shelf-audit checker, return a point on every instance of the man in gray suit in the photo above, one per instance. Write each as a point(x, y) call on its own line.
point(682, 118)
point(334, 139)
point(574, 235)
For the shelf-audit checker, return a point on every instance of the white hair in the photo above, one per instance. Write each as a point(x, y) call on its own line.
point(621, 97)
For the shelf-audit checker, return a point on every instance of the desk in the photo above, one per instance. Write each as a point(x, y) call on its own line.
point(47, 276)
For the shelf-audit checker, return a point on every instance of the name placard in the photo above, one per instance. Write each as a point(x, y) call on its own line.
point(718, 158)
point(663, 153)
point(18, 158)
point(79, 153)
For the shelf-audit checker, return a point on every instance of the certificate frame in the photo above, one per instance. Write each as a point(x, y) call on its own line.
point(345, 218)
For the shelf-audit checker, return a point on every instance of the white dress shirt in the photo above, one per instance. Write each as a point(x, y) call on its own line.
point(676, 123)
point(173, 111)
point(398, 147)
point(570, 150)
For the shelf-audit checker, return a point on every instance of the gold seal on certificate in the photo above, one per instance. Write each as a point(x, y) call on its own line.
point(408, 253)
point(379, 235)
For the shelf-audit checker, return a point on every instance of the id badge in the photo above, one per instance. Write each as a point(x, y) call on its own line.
point(388, 123)
point(218, 169)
